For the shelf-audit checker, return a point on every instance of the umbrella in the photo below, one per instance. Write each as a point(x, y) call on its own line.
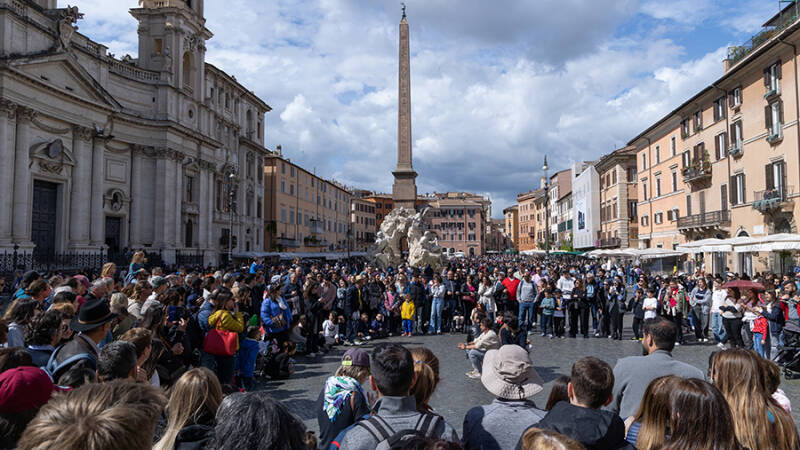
point(744, 284)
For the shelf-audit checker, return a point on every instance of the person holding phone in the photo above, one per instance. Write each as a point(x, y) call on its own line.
point(275, 312)
point(227, 317)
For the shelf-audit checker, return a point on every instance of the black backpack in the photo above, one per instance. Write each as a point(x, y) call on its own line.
point(389, 439)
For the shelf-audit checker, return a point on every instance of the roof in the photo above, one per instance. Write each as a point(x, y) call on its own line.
point(628, 152)
point(235, 82)
point(511, 208)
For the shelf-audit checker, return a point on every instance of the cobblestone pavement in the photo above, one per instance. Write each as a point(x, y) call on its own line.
point(456, 393)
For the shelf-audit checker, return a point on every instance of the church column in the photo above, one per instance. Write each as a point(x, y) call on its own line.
point(205, 210)
point(22, 203)
point(80, 202)
point(168, 202)
point(210, 201)
point(96, 202)
point(178, 202)
point(136, 199)
point(160, 202)
point(8, 112)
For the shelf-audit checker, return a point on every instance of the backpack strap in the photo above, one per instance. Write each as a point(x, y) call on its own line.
point(427, 424)
point(377, 427)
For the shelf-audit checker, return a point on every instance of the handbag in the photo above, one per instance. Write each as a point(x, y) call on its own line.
point(220, 342)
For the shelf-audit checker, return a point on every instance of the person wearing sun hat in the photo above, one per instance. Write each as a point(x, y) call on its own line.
point(93, 322)
point(509, 375)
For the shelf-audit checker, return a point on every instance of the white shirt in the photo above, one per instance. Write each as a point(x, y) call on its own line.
point(330, 329)
point(648, 303)
point(566, 285)
point(717, 299)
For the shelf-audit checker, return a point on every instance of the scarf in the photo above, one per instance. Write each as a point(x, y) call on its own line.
point(336, 391)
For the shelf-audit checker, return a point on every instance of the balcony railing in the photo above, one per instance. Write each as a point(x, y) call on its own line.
point(712, 219)
point(290, 243)
point(786, 18)
point(697, 171)
point(316, 227)
point(608, 243)
point(736, 150)
point(771, 199)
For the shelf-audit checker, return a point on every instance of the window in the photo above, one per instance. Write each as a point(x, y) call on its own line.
point(644, 221)
point(685, 128)
point(721, 145)
point(283, 168)
point(674, 181)
point(771, 76)
point(291, 170)
point(632, 207)
point(686, 159)
point(187, 71)
point(658, 218)
point(644, 161)
point(227, 101)
point(614, 177)
point(291, 216)
point(644, 189)
point(736, 135)
point(658, 154)
point(189, 189)
point(673, 146)
point(719, 109)
point(283, 214)
point(658, 186)
point(735, 97)
point(159, 49)
point(258, 208)
point(737, 183)
point(697, 120)
point(773, 116)
point(776, 177)
point(291, 189)
point(631, 174)
point(299, 218)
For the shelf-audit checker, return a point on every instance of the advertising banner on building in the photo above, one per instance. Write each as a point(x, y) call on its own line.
point(586, 201)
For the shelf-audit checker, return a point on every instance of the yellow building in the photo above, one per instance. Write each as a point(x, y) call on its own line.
point(511, 225)
point(303, 212)
point(618, 199)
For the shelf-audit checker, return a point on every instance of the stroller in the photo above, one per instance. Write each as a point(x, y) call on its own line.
point(789, 353)
point(459, 315)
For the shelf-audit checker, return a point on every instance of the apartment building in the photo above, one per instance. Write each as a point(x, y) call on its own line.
point(459, 220)
point(384, 204)
point(527, 220)
point(618, 199)
point(586, 205)
point(511, 226)
point(303, 212)
point(362, 224)
point(561, 208)
point(733, 148)
point(496, 239)
point(540, 205)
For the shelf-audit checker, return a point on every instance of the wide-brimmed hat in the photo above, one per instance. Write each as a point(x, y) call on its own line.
point(508, 373)
point(92, 314)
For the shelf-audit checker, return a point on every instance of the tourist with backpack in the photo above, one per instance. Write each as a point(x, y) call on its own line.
point(92, 323)
point(395, 418)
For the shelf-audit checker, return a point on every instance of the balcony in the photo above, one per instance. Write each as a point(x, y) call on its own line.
point(771, 199)
point(698, 171)
point(785, 18)
point(608, 243)
point(316, 226)
point(288, 243)
point(736, 150)
point(714, 219)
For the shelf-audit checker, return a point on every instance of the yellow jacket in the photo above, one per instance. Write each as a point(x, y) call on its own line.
point(227, 322)
point(407, 311)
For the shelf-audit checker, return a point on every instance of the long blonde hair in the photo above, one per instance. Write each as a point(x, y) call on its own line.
point(194, 399)
point(426, 367)
point(109, 269)
point(654, 413)
point(737, 375)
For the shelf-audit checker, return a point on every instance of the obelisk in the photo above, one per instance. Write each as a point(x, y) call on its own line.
point(404, 191)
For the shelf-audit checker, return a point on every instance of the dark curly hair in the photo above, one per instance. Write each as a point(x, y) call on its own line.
point(43, 328)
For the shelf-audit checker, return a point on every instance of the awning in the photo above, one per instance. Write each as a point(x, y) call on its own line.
point(771, 243)
point(713, 245)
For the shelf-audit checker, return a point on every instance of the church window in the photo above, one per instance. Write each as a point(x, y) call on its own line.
point(187, 70)
point(227, 101)
point(159, 46)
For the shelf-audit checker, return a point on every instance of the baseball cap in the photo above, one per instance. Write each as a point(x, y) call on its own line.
point(157, 281)
point(358, 357)
point(24, 388)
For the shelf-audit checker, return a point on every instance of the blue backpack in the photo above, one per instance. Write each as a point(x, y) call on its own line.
point(56, 369)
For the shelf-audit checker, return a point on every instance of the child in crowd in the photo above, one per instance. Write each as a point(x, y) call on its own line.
point(637, 306)
point(558, 314)
point(330, 330)
point(246, 360)
point(760, 330)
point(363, 330)
point(548, 306)
point(650, 305)
point(407, 314)
point(282, 365)
point(377, 328)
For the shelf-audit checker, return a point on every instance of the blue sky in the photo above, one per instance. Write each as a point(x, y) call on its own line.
point(495, 85)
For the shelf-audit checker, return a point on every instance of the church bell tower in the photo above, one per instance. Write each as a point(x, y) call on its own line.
point(172, 39)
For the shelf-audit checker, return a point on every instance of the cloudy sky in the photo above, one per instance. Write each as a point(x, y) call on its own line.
point(496, 85)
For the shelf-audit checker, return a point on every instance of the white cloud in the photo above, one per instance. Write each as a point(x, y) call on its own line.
point(495, 85)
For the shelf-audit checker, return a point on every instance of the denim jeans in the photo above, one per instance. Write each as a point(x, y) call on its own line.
point(594, 316)
point(757, 346)
point(716, 327)
point(547, 324)
point(436, 315)
point(476, 358)
point(408, 326)
point(526, 316)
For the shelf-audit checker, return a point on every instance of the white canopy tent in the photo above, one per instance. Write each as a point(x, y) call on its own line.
point(771, 243)
point(713, 245)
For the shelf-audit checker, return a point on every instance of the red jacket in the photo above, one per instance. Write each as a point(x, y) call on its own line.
point(511, 285)
point(785, 309)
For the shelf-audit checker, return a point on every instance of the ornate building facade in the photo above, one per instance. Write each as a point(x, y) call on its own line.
point(163, 151)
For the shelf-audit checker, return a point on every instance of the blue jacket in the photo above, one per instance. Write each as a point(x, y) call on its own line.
point(202, 316)
point(246, 362)
point(351, 303)
point(270, 309)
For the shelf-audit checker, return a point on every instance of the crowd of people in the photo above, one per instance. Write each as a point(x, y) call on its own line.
point(141, 357)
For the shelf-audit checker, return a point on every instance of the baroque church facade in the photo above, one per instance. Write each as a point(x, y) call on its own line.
point(98, 153)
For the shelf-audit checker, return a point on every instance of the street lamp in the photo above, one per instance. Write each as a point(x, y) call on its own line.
point(546, 210)
point(231, 196)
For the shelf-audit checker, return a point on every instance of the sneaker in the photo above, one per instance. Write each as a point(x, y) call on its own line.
point(358, 342)
point(551, 336)
point(347, 343)
point(542, 334)
point(475, 374)
point(596, 334)
point(562, 337)
point(722, 346)
point(312, 355)
point(677, 344)
point(634, 339)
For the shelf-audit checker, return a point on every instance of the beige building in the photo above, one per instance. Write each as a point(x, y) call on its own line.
point(459, 221)
point(561, 209)
point(362, 223)
point(734, 149)
point(303, 212)
point(496, 239)
point(530, 220)
point(511, 226)
point(618, 199)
